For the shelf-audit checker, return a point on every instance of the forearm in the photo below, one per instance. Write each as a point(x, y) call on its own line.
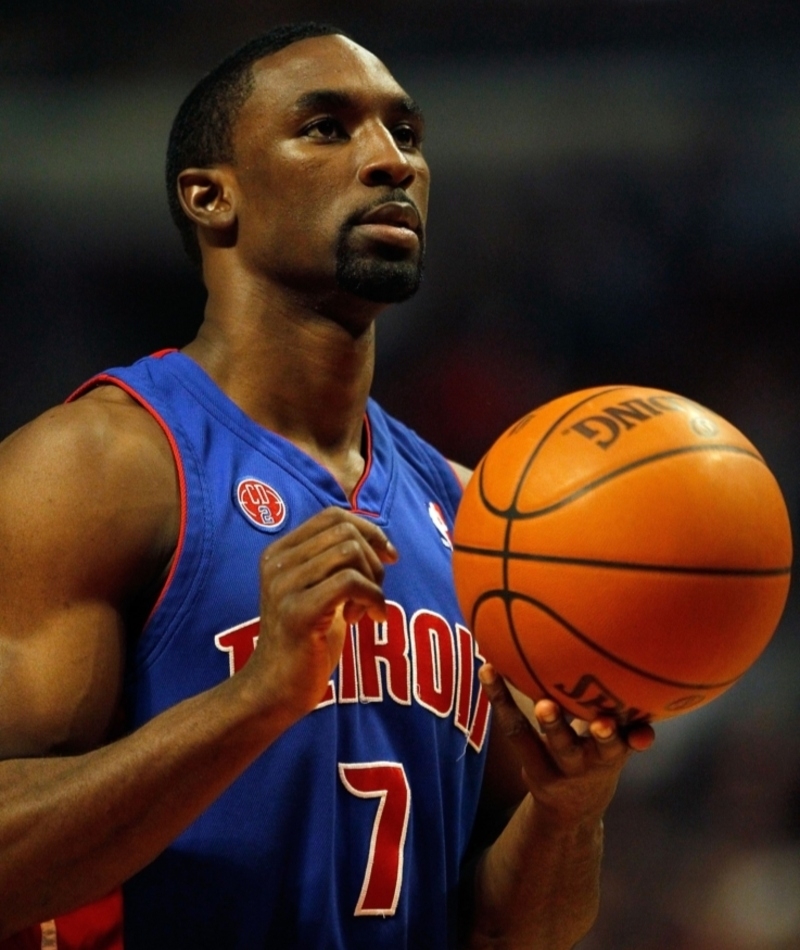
point(73, 828)
point(537, 887)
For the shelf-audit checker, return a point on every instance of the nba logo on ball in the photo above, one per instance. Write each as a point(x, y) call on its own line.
point(260, 504)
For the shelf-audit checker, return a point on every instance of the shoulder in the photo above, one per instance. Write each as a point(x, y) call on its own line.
point(97, 471)
point(89, 445)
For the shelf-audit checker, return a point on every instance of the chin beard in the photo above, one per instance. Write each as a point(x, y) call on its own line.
point(380, 279)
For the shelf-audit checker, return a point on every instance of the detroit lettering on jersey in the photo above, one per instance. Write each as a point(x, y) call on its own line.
point(423, 660)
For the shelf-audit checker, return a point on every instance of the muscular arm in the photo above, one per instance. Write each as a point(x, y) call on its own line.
point(88, 520)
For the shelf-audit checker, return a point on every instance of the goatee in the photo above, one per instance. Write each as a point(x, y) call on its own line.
point(378, 279)
point(385, 274)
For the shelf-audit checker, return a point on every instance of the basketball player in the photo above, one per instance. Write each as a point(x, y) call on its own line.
point(238, 705)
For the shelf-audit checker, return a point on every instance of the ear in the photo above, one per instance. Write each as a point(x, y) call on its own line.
point(207, 197)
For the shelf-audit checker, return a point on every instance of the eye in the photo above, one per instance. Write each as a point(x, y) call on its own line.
point(406, 136)
point(326, 128)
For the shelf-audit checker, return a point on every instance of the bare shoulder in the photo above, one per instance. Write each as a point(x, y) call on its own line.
point(99, 426)
point(89, 515)
point(94, 474)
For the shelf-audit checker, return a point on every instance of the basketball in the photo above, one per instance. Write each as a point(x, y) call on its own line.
point(623, 551)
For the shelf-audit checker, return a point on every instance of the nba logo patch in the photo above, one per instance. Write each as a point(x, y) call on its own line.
point(260, 504)
point(440, 524)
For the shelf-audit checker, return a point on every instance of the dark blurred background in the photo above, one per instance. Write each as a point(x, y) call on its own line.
point(616, 199)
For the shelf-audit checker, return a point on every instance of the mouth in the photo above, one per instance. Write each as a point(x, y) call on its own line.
point(397, 214)
point(393, 222)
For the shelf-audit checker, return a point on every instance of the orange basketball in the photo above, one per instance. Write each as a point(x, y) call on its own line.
point(624, 551)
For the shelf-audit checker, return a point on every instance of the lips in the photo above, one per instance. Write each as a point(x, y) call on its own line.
point(395, 214)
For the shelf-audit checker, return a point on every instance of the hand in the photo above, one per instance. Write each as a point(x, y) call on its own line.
point(570, 770)
point(314, 581)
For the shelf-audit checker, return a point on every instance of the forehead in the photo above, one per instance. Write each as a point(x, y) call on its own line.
point(283, 79)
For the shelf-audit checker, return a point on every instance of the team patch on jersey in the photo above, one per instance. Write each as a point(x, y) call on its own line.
point(261, 504)
point(440, 524)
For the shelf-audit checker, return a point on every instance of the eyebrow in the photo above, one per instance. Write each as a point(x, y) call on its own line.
point(335, 99)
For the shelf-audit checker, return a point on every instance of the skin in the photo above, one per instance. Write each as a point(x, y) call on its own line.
point(86, 553)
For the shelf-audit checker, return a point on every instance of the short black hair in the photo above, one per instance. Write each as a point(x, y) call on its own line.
point(202, 133)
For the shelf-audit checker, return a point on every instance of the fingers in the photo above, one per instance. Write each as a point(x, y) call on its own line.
point(342, 523)
point(510, 718)
point(570, 769)
point(610, 742)
point(564, 743)
point(516, 728)
point(635, 737)
point(337, 557)
point(570, 747)
point(640, 736)
point(315, 581)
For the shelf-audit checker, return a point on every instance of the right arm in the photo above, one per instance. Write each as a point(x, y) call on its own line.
point(88, 520)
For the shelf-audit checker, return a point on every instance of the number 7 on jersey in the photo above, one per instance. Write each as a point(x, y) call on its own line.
point(383, 877)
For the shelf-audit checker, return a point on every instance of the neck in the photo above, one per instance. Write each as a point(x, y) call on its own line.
point(302, 368)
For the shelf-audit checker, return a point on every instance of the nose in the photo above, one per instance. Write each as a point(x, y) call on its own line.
point(384, 162)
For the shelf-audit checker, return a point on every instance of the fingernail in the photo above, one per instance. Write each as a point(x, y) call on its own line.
point(549, 715)
point(487, 675)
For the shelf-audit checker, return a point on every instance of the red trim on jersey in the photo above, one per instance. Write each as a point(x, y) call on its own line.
point(97, 926)
point(365, 473)
point(105, 379)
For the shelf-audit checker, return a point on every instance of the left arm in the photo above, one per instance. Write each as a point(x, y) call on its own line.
point(538, 886)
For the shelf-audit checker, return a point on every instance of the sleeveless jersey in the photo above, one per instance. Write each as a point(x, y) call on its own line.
point(348, 832)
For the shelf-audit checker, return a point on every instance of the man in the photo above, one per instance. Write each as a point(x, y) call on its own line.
point(317, 789)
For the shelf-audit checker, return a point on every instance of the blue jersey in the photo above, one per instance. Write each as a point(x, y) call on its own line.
point(349, 831)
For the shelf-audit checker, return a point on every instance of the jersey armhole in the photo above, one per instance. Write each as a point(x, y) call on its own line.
point(104, 379)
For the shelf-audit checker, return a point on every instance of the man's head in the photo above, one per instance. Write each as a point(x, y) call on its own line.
point(202, 132)
point(313, 133)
